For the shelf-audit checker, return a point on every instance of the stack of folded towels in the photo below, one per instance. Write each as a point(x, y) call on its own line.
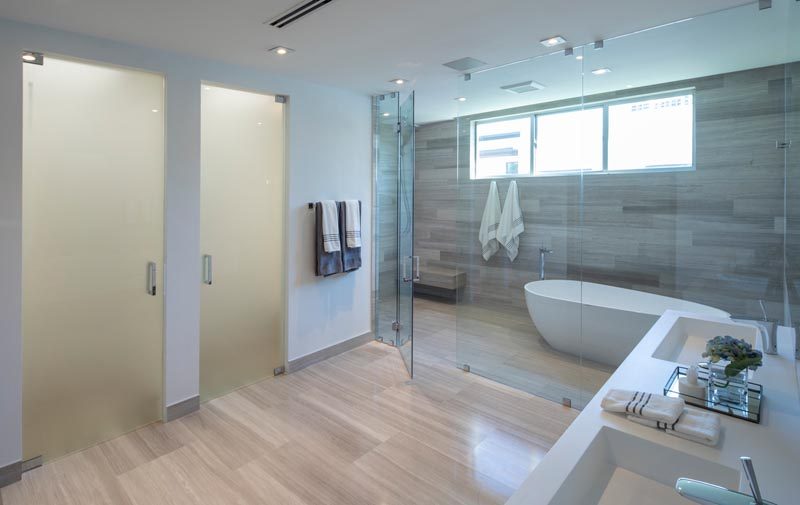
point(665, 413)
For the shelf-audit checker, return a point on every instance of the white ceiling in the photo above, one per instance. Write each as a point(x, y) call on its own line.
point(360, 44)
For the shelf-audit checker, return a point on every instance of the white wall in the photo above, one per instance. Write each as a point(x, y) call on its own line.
point(329, 157)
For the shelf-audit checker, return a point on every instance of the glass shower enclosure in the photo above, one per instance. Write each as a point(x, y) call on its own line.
point(655, 170)
point(396, 266)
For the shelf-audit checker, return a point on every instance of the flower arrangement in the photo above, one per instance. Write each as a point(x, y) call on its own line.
point(737, 352)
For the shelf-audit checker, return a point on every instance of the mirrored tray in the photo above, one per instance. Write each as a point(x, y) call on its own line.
point(749, 411)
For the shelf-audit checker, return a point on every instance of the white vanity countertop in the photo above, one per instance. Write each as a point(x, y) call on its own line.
point(774, 444)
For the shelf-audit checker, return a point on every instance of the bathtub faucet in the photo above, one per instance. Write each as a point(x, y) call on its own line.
point(542, 252)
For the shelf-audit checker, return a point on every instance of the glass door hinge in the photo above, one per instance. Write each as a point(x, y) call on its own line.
point(782, 145)
point(396, 326)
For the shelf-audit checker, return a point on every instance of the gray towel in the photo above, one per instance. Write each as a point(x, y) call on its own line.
point(351, 256)
point(327, 263)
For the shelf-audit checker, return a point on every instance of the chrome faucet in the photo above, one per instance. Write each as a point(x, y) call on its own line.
point(542, 251)
point(710, 494)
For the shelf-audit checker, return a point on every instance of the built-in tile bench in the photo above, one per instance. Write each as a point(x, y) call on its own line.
point(440, 282)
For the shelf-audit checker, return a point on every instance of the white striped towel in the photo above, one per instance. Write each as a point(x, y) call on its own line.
point(695, 425)
point(489, 223)
point(651, 406)
point(352, 224)
point(330, 226)
point(511, 225)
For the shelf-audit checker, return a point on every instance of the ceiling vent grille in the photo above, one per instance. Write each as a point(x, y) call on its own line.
point(523, 87)
point(297, 12)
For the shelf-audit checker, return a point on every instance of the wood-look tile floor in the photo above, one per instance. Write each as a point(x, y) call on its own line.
point(350, 430)
point(503, 345)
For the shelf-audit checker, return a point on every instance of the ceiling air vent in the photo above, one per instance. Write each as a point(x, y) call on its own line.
point(297, 12)
point(523, 87)
point(464, 64)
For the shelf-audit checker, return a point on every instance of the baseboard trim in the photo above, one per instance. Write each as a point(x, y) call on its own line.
point(329, 352)
point(183, 408)
point(10, 474)
point(32, 464)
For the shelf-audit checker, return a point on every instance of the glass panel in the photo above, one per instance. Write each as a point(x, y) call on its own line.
point(559, 135)
point(405, 220)
point(242, 215)
point(504, 318)
point(708, 240)
point(387, 171)
point(656, 133)
point(93, 193)
point(502, 147)
point(792, 161)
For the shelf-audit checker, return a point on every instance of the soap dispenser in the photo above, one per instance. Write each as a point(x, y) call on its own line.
point(691, 389)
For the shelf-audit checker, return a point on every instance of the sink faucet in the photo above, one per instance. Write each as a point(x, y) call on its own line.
point(542, 251)
point(710, 494)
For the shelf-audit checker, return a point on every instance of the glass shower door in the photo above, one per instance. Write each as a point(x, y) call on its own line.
point(409, 264)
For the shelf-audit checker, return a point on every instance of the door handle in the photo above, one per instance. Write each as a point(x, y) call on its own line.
point(208, 275)
point(406, 278)
point(151, 278)
point(416, 268)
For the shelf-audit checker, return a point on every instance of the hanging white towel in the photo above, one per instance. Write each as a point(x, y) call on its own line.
point(489, 223)
point(695, 425)
point(330, 226)
point(352, 224)
point(652, 406)
point(511, 225)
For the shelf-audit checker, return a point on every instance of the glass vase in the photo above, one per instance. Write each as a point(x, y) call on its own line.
point(724, 389)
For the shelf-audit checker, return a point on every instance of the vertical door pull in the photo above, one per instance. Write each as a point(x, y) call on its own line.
point(151, 278)
point(416, 268)
point(406, 278)
point(207, 271)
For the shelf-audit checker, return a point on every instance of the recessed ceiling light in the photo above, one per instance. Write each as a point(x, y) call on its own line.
point(629, 86)
point(386, 114)
point(33, 57)
point(579, 57)
point(601, 71)
point(461, 99)
point(281, 50)
point(207, 88)
point(553, 41)
point(398, 81)
point(156, 110)
point(259, 123)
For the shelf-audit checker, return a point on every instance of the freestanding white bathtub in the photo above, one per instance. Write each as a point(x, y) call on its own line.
point(598, 322)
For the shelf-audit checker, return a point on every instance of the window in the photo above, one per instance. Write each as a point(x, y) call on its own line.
point(502, 147)
point(569, 141)
point(648, 134)
point(644, 133)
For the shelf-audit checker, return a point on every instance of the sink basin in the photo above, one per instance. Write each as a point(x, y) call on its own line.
point(686, 340)
point(622, 469)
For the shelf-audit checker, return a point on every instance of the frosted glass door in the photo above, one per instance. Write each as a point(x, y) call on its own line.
point(241, 335)
point(93, 192)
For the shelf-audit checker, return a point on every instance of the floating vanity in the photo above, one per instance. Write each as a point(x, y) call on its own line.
point(603, 458)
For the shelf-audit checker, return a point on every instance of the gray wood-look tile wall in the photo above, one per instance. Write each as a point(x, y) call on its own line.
point(713, 235)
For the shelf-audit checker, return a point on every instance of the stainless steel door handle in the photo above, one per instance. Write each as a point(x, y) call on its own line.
point(416, 268)
point(208, 275)
point(151, 278)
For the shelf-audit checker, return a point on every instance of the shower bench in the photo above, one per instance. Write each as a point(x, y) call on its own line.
point(440, 282)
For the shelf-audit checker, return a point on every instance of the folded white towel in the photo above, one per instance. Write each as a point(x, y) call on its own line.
point(695, 425)
point(352, 223)
point(651, 406)
point(490, 222)
point(330, 226)
point(511, 225)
